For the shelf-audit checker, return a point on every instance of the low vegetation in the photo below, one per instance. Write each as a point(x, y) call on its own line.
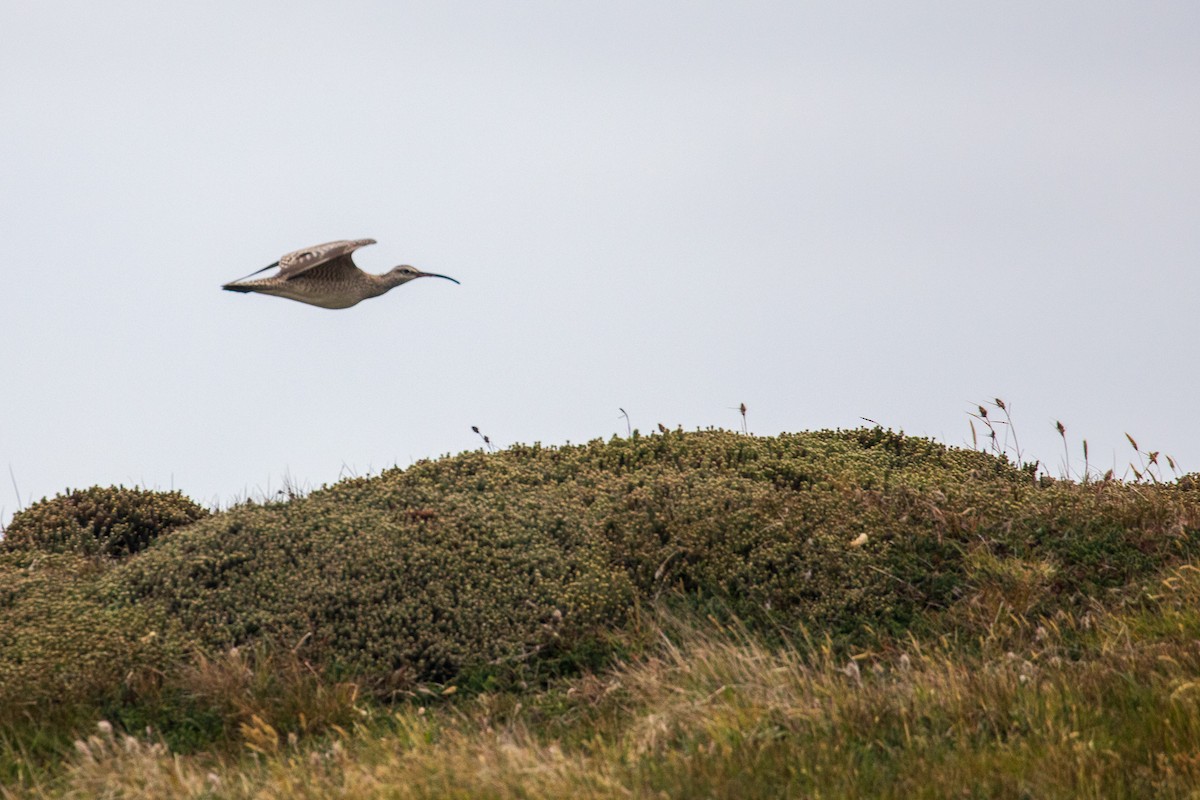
point(101, 521)
point(836, 613)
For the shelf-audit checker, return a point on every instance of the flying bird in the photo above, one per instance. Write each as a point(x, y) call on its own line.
point(325, 275)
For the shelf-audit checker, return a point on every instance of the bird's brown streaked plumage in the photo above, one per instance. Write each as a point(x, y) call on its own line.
point(325, 275)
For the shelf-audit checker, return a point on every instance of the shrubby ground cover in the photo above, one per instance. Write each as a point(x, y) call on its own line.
point(530, 574)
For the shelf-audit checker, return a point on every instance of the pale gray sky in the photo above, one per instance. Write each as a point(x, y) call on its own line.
point(824, 210)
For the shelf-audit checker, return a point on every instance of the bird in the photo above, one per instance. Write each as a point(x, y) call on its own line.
point(325, 275)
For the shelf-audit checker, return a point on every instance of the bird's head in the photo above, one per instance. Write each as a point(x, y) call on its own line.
point(405, 273)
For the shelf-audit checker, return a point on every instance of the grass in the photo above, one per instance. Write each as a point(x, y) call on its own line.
point(841, 614)
point(1102, 704)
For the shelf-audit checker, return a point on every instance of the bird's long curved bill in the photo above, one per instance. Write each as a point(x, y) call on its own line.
point(435, 275)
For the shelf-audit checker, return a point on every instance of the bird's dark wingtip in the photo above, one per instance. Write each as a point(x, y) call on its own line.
point(233, 287)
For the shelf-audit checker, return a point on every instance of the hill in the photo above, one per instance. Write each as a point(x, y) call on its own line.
point(518, 573)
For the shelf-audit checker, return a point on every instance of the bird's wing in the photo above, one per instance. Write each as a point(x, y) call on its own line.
point(301, 261)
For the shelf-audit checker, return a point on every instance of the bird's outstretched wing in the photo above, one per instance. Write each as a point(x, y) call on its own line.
point(300, 261)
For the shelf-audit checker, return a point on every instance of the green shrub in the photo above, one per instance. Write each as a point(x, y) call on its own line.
point(492, 559)
point(65, 643)
point(532, 558)
point(109, 521)
point(383, 593)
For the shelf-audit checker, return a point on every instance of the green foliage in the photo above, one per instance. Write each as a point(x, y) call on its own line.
point(109, 521)
point(374, 590)
point(511, 569)
point(65, 643)
point(716, 711)
point(531, 556)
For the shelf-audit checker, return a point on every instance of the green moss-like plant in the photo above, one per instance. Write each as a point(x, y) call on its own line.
point(101, 521)
point(535, 553)
point(534, 557)
point(385, 594)
point(65, 643)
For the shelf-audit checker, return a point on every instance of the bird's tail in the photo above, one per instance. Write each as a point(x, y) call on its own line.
point(237, 287)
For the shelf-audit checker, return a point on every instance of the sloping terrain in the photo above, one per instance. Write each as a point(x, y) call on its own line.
point(517, 570)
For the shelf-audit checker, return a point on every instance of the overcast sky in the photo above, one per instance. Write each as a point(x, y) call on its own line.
point(824, 210)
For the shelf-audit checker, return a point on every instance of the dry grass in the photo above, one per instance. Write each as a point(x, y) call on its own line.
point(1096, 704)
